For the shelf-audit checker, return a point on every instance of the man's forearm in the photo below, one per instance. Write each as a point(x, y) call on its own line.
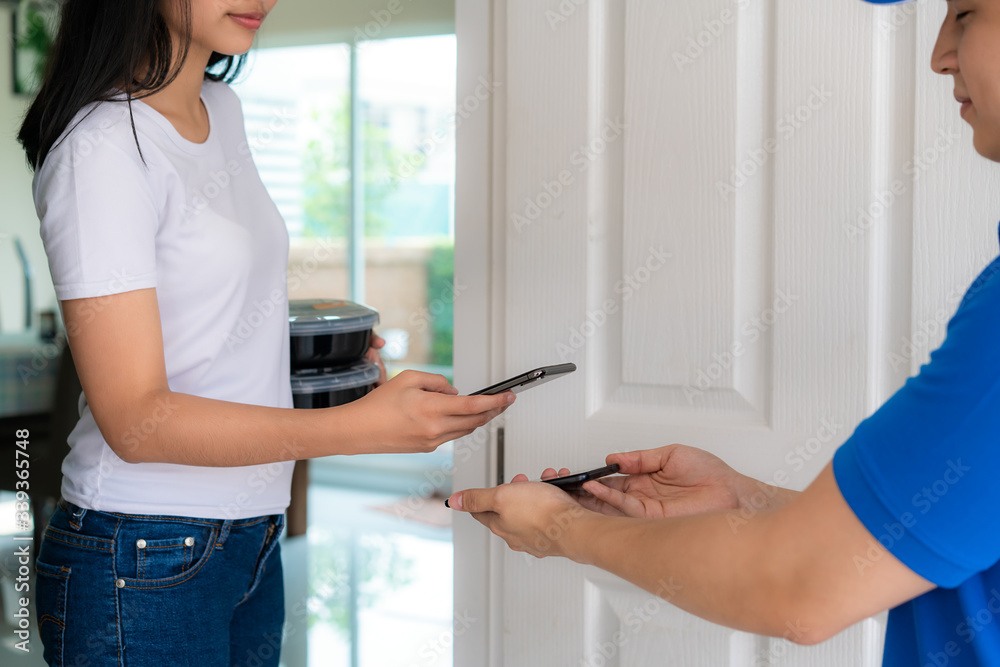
point(718, 566)
point(756, 496)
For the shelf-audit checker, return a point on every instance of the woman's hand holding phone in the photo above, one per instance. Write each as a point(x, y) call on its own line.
point(417, 412)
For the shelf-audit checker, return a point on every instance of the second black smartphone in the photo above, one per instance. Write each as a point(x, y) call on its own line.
point(575, 482)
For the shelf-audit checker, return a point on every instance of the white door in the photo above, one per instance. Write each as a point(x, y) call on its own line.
point(746, 221)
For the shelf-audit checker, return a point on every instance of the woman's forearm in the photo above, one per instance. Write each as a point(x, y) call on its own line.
point(118, 353)
point(413, 412)
point(170, 427)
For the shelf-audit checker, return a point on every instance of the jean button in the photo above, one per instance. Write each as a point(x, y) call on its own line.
point(120, 583)
point(189, 541)
point(141, 544)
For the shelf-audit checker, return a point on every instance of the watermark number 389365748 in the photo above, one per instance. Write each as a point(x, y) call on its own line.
point(22, 552)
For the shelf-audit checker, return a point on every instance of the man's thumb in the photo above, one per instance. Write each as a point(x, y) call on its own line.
point(470, 500)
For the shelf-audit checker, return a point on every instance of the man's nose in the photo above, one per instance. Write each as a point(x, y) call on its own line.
point(944, 58)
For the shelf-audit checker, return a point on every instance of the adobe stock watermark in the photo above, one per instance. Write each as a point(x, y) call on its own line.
point(932, 327)
point(434, 649)
point(446, 296)
point(381, 19)
point(624, 290)
point(262, 476)
point(261, 310)
point(750, 332)
point(22, 577)
point(162, 410)
point(785, 128)
point(711, 31)
point(966, 631)
point(465, 448)
point(891, 19)
point(760, 501)
point(632, 621)
point(41, 358)
point(322, 249)
point(84, 143)
point(922, 502)
point(883, 201)
point(925, 332)
point(469, 105)
point(555, 531)
point(218, 181)
point(562, 13)
point(44, 354)
point(296, 615)
point(794, 633)
point(579, 162)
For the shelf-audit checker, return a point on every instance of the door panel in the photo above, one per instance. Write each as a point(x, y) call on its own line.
point(692, 266)
point(712, 207)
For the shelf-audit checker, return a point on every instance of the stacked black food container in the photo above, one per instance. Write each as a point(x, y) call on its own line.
point(328, 344)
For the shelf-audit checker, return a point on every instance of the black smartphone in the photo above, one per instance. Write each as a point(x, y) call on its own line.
point(575, 482)
point(529, 379)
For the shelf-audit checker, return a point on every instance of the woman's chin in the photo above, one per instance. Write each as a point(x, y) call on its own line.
point(987, 146)
point(234, 47)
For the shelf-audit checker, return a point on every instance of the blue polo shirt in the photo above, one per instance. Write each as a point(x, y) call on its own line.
point(923, 475)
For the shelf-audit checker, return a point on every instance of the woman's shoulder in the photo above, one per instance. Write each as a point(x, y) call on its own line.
point(97, 129)
point(99, 151)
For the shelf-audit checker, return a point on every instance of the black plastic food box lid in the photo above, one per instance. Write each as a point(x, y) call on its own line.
point(313, 317)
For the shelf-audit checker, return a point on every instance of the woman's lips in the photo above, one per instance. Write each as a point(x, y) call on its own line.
point(248, 21)
point(965, 102)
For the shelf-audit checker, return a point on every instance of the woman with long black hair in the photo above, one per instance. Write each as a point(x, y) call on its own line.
point(161, 240)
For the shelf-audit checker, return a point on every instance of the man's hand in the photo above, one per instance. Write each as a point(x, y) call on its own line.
point(671, 481)
point(531, 517)
point(797, 564)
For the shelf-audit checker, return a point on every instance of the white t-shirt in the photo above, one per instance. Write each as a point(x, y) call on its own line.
point(196, 223)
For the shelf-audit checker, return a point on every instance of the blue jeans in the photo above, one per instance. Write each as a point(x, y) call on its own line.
point(129, 589)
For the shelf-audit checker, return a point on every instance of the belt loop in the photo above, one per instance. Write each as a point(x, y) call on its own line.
point(224, 533)
point(76, 515)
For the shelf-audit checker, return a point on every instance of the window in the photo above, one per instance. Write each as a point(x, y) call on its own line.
point(298, 108)
point(369, 206)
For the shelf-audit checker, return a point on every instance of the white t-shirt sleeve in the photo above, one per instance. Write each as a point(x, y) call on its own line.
point(98, 212)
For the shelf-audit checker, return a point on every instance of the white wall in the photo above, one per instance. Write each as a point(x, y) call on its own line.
point(17, 212)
